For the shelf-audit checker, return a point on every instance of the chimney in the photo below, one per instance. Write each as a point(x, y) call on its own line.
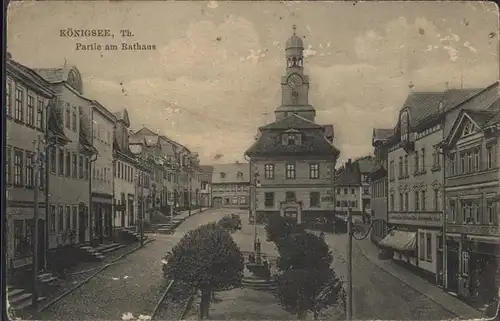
point(9, 56)
point(348, 162)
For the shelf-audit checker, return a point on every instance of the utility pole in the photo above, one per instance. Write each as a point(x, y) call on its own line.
point(141, 181)
point(349, 264)
point(34, 243)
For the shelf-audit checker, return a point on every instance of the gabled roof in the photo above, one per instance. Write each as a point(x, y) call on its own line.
point(31, 76)
point(230, 173)
point(292, 121)
point(350, 175)
point(122, 115)
point(381, 134)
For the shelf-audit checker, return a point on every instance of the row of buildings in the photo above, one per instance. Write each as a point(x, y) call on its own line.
point(436, 189)
point(93, 172)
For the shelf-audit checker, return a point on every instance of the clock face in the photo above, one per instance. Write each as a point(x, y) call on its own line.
point(294, 81)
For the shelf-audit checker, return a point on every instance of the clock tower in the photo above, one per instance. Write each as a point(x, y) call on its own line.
point(295, 85)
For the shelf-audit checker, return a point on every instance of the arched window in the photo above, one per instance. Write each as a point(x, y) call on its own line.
point(404, 125)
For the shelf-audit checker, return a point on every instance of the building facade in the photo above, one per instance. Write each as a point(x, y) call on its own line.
point(27, 97)
point(142, 179)
point(124, 174)
point(378, 177)
point(230, 185)
point(206, 185)
point(103, 127)
point(416, 180)
point(348, 192)
point(293, 159)
point(69, 163)
point(472, 188)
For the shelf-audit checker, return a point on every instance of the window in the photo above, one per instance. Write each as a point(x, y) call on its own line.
point(400, 174)
point(314, 199)
point(453, 211)
point(353, 191)
point(269, 199)
point(75, 165)
point(406, 165)
point(401, 202)
point(30, 111)
point(490, 209)
point(428, 244)
point(60, 221)
point(290, 171)
point(8, 165)
point(30, 170)
point(475, 212)
point(18, 167)
point(477, 160)
point(462, 163)
point(469, 162)
point(8, 97)
point(436, 200)
point(75, 218)
point(67, 219)
point(465, 263)
point(52, 159)
point(417, 201)
point(235, 200)
point(421, 243)
point(489, 157)
point(222, 175)
point(422, 164)
point(74, 119)
point(68, 164)
point(406, 201)
point(290, 196)
point(466, 211)
point(366, 191)
point(18, 111)
point(417, 161)
point(391, 170)
point(392, 202)
point(423, 201)
point(452, 164)
point(243, 200)
point(68, 116)
point(345, 191)
point(314, 171)
point(436, 159)
point(80, 167)
point(239, 175)
point(61, 162)
point(338, 191)
point(40, 121)
point(52, 218)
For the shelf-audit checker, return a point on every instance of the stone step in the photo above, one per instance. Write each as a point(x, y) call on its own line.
point(112, 249)
point(17, 299)
point(13, 292)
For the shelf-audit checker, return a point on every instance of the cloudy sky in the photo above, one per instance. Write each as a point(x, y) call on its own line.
point(214, 77)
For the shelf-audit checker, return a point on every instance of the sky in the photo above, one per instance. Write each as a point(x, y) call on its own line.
point(214, 77)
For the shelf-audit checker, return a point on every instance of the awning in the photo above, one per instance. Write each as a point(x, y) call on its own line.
point(400, 240)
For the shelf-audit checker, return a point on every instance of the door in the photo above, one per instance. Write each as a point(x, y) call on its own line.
point(41, 244)
point(217, 202)
point(82, 224)
point(452, 271)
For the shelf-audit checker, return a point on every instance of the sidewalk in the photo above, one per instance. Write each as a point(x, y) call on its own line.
point(185, 214)
point(430, 290)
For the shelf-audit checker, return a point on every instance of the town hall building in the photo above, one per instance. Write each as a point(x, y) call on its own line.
point(293, 159)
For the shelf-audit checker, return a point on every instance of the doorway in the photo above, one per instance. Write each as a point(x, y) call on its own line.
point(82, 225)
point(452, 271)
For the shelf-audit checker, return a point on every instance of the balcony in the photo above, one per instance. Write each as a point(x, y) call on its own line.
point(432, 219)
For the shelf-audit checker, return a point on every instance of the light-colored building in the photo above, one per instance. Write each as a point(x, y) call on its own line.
point(231, 185)
point(472, 150)
point(292, 161)
point(416, 180)
point(378, 178)
point(144, 171)
point(27, 97)
point(69, 180)
point(103, 127)
point(124, 174)
point(206, 185)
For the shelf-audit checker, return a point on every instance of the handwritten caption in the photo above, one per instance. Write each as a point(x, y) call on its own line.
point(106, 42)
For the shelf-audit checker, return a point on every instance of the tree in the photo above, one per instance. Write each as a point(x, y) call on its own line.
point(207, 259)
point(231, 223)
point(303, 251)
point(308, 290)
point(278, 227)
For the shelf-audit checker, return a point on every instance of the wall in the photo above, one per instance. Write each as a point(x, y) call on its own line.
point(230, 191)
point(102, 169)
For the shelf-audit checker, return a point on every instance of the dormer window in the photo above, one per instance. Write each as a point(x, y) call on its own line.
point(239, 175)
point(292, 137)
point(468, 129)
point(404, 126)
point(222, 175)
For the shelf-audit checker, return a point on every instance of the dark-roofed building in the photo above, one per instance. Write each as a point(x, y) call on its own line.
point(206, 185)
point(124, 173)
point(416, 178)
point(71, 164)
point(230, 185)
point(28, 100)
point(472, 188)
point(378, 179)
point(293, 158)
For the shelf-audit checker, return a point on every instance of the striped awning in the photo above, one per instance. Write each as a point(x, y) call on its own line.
point(400, 240)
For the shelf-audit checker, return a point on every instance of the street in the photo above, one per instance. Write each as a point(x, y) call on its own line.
point(132, 285)
point(135, 284)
